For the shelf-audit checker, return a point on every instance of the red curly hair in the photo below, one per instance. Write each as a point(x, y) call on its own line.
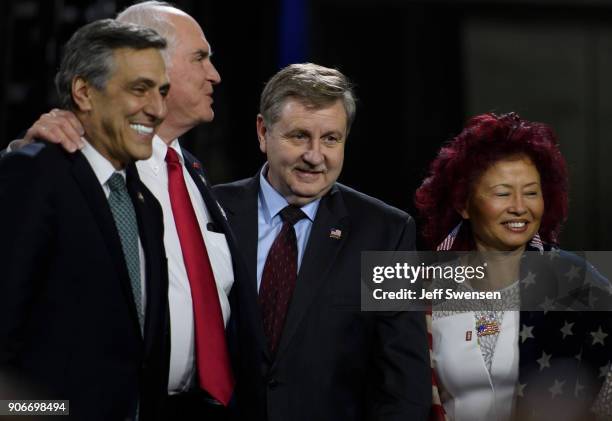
point(486, 139)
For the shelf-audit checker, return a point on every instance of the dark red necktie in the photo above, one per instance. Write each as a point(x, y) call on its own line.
point(279, 277)
point(212, 358)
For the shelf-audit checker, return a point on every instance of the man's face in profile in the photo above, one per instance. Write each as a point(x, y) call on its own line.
point(192, 74)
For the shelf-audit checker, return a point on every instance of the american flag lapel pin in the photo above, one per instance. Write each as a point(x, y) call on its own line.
point(196, 166)
point(335, 233)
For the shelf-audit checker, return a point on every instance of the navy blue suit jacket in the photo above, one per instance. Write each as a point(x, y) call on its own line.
point(68, 322)
point(334, 361)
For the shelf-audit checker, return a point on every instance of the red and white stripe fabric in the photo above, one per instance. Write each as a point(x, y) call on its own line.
point(437, 412)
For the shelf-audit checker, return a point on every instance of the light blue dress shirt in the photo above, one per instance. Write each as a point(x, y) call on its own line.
point(269, 222)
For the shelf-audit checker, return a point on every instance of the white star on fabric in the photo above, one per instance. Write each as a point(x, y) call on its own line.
point(526, 333)
point(599, 336)
point(520, 390)
point(557, 388)
point(544, 360)
point(553, 253)
point(547, 305)
point(574, 272)
point(529, 279)
point(567, 329)
point(603, 370)
point(578, 389)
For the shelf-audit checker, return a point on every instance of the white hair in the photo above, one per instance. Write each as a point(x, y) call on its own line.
point(154, 15)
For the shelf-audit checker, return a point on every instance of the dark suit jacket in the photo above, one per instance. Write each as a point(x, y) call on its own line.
point(334, 361)
point(68, 323)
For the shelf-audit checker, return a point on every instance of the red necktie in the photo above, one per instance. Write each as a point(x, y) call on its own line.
point(212, 358)
point(279, 277)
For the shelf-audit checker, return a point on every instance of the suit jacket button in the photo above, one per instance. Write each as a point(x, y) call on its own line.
point(272, 383)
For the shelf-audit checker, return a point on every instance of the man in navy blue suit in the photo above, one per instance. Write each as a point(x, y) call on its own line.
point(83, 291)
point(308, 350)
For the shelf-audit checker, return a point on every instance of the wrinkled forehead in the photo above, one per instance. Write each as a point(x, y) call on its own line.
point(326, 115)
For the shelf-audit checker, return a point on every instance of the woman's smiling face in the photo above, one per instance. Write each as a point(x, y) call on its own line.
point(506, 205)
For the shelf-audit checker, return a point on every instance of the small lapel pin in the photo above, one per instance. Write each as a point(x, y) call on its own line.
point(336, 234)
point(468, 335)
point(196, 166)
point(140, 197)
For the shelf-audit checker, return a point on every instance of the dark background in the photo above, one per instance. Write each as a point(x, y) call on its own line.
point(421, 68)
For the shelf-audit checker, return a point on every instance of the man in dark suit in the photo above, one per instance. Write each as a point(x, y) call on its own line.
point(83, 293)
point(308, 352)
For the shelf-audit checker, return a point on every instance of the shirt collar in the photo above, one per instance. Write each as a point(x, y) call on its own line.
point(160, 148)
point(101, 166)
point(273, 202)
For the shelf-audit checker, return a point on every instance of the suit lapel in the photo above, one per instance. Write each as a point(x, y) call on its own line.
point(94, 194)
point(243, 215)
point(245, 223)
point(321, 252)
point(154, 289)
point(215, 210)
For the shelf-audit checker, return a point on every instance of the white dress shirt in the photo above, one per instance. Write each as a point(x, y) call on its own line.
point(103, 170)
point(471, 393)
point(154, 174)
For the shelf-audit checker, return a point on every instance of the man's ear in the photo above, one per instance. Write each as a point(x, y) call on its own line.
point(81, 93)
point(261, 133)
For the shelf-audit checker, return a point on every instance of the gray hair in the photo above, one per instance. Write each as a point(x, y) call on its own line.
point(150, 14)
point(314, 85)
point(89, 54)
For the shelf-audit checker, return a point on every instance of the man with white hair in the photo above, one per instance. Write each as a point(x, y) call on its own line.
point(196, 236)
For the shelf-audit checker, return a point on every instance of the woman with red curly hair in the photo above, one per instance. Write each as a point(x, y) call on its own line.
point(501, 186)
point(486, 140)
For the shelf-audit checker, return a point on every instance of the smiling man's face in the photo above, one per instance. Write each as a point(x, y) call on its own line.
point(121, 119)
point(305, 149)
